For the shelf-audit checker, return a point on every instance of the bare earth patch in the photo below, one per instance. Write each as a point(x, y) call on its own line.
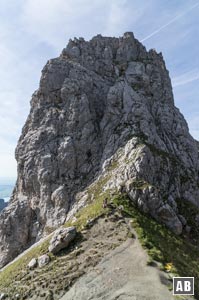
point(123, 274)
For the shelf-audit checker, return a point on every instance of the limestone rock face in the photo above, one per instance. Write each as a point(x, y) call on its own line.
point(61, 239)
point(102, 103)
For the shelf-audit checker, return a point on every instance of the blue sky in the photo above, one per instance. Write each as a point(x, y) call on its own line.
point(32, 31)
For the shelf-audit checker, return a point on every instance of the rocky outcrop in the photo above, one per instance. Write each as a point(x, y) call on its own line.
point(105, 104)
point(3, 204)
point(32, 264)
point(61, 239)
point(43, 260)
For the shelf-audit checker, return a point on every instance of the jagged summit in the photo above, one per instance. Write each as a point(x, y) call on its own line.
point(104, 109)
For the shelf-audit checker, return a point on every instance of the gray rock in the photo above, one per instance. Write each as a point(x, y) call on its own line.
point(43, 260)
point(3, 296)
point(182, 220)
point(50, 295)
point(197, 219)
point(61, 239)
point(90, 223)
point(32, 264)
point(168, 216)
point(101, 101)
point(188, 229)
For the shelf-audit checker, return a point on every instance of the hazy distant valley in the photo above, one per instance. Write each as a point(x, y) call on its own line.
point(6, 191)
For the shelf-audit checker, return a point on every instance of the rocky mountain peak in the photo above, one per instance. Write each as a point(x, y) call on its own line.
point(104, 109)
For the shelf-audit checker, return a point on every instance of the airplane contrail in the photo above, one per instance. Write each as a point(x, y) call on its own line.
point(170, 22)
point(184, 79)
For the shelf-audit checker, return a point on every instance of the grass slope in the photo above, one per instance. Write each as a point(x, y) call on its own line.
point(176, 254)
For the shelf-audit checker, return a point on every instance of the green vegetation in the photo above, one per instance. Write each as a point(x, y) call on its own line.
point(189, 211)
point(94, 209)
point(141, 137)
point(162, 153)
point(17, 270)
point(143, 141)
point(90, 212)
point(176, 254)
point(140, 184)
point(113, 165)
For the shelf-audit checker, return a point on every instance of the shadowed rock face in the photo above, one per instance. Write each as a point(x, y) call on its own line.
point(103, 101)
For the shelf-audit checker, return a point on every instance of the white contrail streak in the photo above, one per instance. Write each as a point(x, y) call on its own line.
point(185, 78)
point(170, 22)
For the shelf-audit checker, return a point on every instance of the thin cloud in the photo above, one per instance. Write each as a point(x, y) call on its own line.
point(170, 22)
point(123, 15)
point(194, 125)
point(61, 21)
point(64, 19)
point(185, 78)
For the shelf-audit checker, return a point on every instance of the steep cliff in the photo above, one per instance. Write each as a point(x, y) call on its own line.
point(104, 109)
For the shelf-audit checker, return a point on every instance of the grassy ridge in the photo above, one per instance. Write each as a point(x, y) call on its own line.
point(175, 253)
point(18, 272)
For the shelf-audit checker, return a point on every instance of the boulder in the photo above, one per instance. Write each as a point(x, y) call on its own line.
point(61, 239)
point(182, 220)
point(32, 264)
point(168, 216)
point(43, 260)
point(188, 229)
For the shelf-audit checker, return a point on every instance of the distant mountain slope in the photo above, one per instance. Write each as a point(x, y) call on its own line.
point(2, 204)
point(6, 190)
